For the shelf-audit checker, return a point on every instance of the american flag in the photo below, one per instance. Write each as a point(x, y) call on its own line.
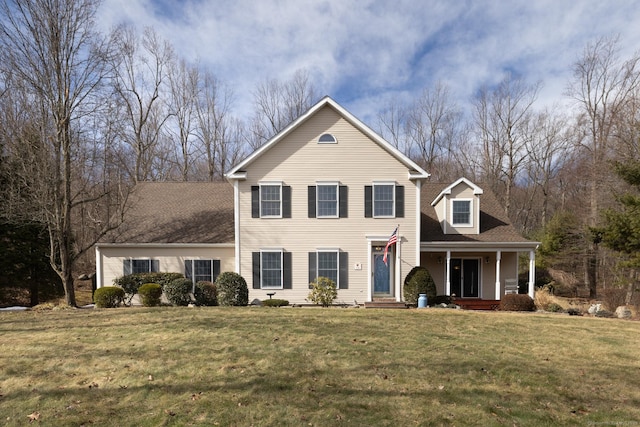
point(393, 239)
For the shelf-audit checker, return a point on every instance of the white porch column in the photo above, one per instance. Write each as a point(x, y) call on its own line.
point(498, 290)
point(532, 272)
point(98, 267)
point(397, 269)
point(236, 220)
point(370, 270)
point(447, 273)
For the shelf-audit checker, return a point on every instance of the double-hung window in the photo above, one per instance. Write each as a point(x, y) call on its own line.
point(271, 270)
point(134, 266)
point(271, 200)
point(327, 200)
point(201, 270)
point(330, 263)
point(384, 200)
point(461, 212)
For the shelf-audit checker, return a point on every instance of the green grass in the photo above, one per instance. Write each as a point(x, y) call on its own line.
point(292, 366)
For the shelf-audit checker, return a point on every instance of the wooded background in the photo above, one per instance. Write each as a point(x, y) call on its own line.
point(84, 116)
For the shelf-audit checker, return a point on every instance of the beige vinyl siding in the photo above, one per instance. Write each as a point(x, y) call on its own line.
point(171, 258)
point(299, 161)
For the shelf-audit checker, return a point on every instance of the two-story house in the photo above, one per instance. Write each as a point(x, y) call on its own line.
point(321, 198)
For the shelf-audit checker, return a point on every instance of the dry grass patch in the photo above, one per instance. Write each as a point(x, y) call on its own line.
point(244, 366)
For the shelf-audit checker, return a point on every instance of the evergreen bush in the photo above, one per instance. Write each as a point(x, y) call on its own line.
point(206, 294)
point(150, 294)
point(323, 291)
point(232, 289)
point(131, 282)
point(419, 281)
point(177, 291)
point(517, 302)
point(108, 297)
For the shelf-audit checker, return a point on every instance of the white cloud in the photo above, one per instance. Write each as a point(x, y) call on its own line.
point(366, 53)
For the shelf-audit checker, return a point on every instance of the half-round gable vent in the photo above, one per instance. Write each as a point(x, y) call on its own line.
point(327, 138)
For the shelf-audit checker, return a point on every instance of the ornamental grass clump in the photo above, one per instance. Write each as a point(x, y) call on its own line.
point(108, 297)
point(232, 289)
point(323, 291)
point(150, 294)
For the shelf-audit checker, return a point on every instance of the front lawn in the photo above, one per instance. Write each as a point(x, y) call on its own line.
point(303, 366)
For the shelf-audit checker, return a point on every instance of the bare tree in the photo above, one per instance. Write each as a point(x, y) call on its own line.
point(392, 124)
point(432, 128)
point(602, 87)
point(184, 81)
point(58, 63)
point(501, 118)
point(140, 76)
point(279, 103)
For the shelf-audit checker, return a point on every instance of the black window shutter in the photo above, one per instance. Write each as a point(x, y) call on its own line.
point(255, 201)
point(399, 201)
point(216, 269)
point(286, 201)
point(343, 274)
point(286, 270)
point(256, 269)
point(188, 270)
point(155, 265)
point(126, 267)
point(311, 200)
point(312, 268)
point(368, 201)
point(344, 201)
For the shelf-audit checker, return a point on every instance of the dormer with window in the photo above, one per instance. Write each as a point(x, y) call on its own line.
point(458, 208)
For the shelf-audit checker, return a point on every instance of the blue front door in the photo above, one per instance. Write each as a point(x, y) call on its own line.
point(381, 274)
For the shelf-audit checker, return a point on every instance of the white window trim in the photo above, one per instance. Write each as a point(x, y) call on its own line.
point(280, 251)
point(330, 250)
point(335, 140)
point(471, 215)
point(328, 183)
point(373, 198)
point(270, 184)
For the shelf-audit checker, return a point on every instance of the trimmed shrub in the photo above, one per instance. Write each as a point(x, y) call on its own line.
point(517, 302)
point(232, 289)
point(206, 294)
point(574, 311)
point(150, 294)
point(178, 290)
point(108, 297)
point(274, 302)
point(419, 281)
point(132, 282)
point(323, 291)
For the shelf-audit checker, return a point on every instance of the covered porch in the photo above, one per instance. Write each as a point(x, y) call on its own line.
point(478, 271)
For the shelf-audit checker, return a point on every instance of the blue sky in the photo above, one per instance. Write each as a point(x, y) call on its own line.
point(366, 53)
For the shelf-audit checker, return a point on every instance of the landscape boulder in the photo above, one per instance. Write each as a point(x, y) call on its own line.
point(623, 312)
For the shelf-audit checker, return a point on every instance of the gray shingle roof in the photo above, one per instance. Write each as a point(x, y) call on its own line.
point(494, 224)
point(178, 212)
